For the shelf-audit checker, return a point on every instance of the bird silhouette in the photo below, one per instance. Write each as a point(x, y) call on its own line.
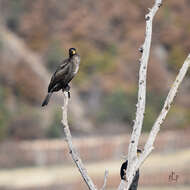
point(63, 75)
point(123, 170)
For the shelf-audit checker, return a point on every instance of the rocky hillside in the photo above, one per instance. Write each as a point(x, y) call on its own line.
point(107, 35)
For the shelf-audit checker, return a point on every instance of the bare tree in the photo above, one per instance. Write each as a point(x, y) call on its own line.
point(133, 162)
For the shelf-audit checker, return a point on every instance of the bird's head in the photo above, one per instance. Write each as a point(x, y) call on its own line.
point(139, 151)
point(72, 51)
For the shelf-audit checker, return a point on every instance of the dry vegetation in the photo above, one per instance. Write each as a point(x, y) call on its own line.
point(61, 174)
point(107, 35)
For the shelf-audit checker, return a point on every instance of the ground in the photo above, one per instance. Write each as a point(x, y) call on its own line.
point(154, 165)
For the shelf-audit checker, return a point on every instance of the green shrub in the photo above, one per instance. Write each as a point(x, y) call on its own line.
point(118, 106)
point(166, 13)
point(176, 58)
point(4, 115)
point(154, 103)
point(94, 61)
point(121, 107)
point(179, 117)
point(55, 55)
point(149, 119)
point(3, 125)
point(26, 126)
point(15, 11)
point(1, 43)
point(55, 129)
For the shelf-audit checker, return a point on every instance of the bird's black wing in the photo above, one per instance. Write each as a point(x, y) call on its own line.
point(134, 183)
point(59, 74)
point(123, 170)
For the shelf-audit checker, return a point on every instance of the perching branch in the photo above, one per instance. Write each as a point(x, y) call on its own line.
point(133, 162)
point(72, 149)
point(145, 49)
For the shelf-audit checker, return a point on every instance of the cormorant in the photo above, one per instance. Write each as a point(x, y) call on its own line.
point(123, 170)
point(63, 75)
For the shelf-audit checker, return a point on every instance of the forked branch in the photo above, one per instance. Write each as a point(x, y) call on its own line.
point(145, 49)
point(156, 127)
point(133, 162)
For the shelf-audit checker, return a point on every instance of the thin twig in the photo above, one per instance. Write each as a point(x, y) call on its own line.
point(156, 127)
point(105, 179)
point(145, 49)
point(75, 156)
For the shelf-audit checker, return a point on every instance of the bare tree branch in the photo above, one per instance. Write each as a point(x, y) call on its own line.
point(73, 152)
point(156, 127)
point(145, 49)
point(133, 162)
point(105, 180)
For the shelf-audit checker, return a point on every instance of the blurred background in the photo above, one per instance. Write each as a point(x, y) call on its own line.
point(35, 37)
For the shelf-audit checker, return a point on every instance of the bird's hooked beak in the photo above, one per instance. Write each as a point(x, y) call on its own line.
point(139, 151)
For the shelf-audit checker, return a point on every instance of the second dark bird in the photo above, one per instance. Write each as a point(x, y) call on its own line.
point(63, 75)
point(123, 170)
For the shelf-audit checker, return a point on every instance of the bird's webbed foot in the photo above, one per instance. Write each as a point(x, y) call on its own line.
point(67, 89)
point(69, 94)
point(124, 174)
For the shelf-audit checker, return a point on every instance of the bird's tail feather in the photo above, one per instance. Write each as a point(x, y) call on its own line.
point(47, 98)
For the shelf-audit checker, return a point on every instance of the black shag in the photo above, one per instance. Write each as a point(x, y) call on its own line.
point(63, 75)
point(123, 170)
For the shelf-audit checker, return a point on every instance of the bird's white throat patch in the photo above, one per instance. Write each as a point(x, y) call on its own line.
point(76, 69)
point(77, 61)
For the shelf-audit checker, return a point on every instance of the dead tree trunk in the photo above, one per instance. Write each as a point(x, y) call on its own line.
point(133, 162)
